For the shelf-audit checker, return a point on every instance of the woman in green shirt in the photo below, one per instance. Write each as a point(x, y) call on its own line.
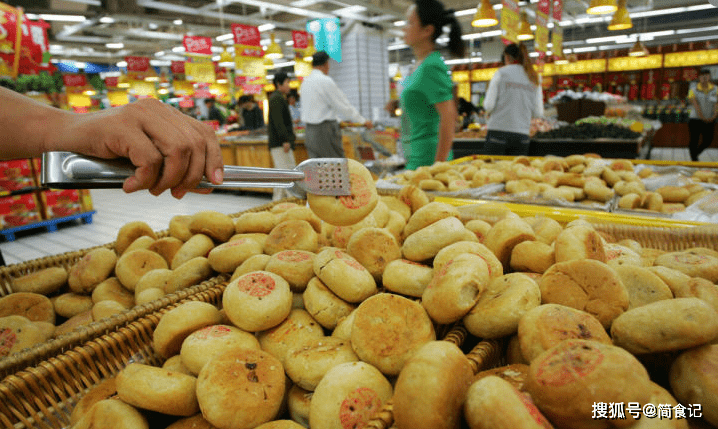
point(427, 102)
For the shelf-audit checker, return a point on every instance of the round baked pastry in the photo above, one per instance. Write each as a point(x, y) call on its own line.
point(302, 213)
point(155, 279)
point(298, 403)
point(294, 266)
point(429, 214)
point(112, 413)
point(132, 265)
point(691, 263)
point(104, 309)
point(179, 227)
point(298, 328)
point(104, 390)
point(566, 380)
point(293, 234)
point(374, 248)
point(33, 306)
point(514, 374)
point(143, 242)
point(588, 285)
point(307, 363)
point(506, 234)
point(175, 364)
point(323, 305)
point(257, 301)
point(397, 205)
point(453, 250)
point(259, 237)
point(344, 327)
point(406, 277)
point(493, 403)
point(339, 235)
point(431, 387)
point(643, 286)
point(390, 319)
point(547, 325)
point(427, 242)
point(661, 397)
point(533, 256)
point(344, 275)
point(218, 226)
point(129, 232)
point(44, 282)
point(349, 209)
point(252, 395)
point(197, 245)
point(545, 229)
point(176, 324)
point(67, 305)
point(280, 424)
point(91, 269)
point(673, 194)
point(652, 201)
point(348, 395)
point(253, 263)
point(201, 345)
point(262, 222)
point(18, 333)
point(112, 290)
point(666, 325)
point(157, 389)
point(190, 273)
point(226, 257)
point(395, 225)
point(501, 305)
point(282, 207)
point(166, 247)
point(693, 378)
point(617, 254)
point(579, 242)
point(195, 422)
point(455, 288)
point(413, 197)
point(70, 324)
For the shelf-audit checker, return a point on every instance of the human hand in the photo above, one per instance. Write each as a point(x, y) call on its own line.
point(286, 146)
point(169, 150)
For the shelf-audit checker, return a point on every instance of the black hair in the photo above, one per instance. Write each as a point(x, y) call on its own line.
point(432, 12)
point(520, 54)
point(293, 93)
point(209, 100)
point(705, 70)
point(279, 78)
point(245, 99)
point(320, 58)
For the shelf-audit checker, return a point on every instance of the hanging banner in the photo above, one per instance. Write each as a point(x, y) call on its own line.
point(246, 41)
point(34, 49)
point(542, 34)
point(10, 38)
point(196, 45)
point(74, 80)
point(200, 71)
point(327, 36)
point(301, 40)
point(557, 41)
point(177, 67)
point(557, 11)
point(510, 21)
point(112, 81)
point(137, 64)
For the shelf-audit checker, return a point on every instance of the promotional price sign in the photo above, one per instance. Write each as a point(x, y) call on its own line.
point(542, 34)
point(300, 39)
point(196, 45)
point(34, 49)
point(137, 64)
point(557, 41)
point(246, 41)
point(10, 38)
point(177, 67)
point(327, 36)
point(200, 71)
point(557, 10)
point(510, 21)
point(74, 80)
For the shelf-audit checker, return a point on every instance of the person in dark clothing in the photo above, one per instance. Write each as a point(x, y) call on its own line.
point(279, 129)
point(213, 113)
point(251, 113)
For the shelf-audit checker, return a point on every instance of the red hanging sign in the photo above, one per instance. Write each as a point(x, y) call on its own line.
point(245, 35)
point(10, 37)
point(544, 6)
point(137, 64)
point(197, 45)
point(557, 10)
point(112, 81)
point(33, 46)
point(177, 67)
point(74, 80)
point(300, 39)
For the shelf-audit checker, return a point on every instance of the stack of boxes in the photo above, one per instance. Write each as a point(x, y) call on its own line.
point(22, 202)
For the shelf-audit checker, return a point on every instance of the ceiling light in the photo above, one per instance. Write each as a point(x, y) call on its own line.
point(268, 63)
point(698, 39)
point(266, 27)
point(638, 50)
point(221, 81)
point(621, 20)
point(397, 77)
point(177, 22)
point(274, 51)
point(107, 20)
point(399, 23)
point(53, 17)
point(696, 30)
point(224, 37)
point(485, 15)
point(226, 57)
point(525, 32)
point(118, 45)
point(152, 79)
point(178, 49)
point(90, 92)
point(599, 7)
point(163, 91)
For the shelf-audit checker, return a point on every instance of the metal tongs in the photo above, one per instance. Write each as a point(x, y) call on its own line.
point(320, 176)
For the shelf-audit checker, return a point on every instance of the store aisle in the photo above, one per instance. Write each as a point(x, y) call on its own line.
point(114, 209)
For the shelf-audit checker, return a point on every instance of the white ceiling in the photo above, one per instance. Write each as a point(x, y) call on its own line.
point(152, 27)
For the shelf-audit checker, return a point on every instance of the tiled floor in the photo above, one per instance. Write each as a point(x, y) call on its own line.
point(115, 208)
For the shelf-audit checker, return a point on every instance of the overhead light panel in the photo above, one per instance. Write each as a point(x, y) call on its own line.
point(621, 20)
point(118, 45)
point(600, 7)
point(107, 20)
point(224, 37)
point(53, 17)
point(265, 27)
point(177, 22)
point(485, 15)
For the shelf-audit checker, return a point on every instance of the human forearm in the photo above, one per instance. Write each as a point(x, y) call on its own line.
point(27, 125)
point(447, 115)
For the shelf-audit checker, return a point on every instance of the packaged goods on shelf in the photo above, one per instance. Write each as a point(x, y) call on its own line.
point(61, 202)
point(18, 210)
point(16, 174)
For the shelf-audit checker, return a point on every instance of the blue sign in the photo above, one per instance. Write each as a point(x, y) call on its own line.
point(327, 36)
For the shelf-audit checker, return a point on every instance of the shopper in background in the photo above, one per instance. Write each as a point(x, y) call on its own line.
point(704, 110)
point(213, 112)
point(279, 129)
point(169, 150)
point(427, 101)
point(251, 113)
point(514, 97)
point(293, 99)
point(323, 105)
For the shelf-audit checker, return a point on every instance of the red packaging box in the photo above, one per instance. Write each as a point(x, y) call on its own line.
point(19, 210)
point(16, 174)
point(37, 169)
point(61, 202)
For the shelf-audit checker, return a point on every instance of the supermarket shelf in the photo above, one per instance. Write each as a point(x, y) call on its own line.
point(50, 225)
point(20, 191)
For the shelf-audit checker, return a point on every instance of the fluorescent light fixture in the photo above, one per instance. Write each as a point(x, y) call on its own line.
point(285, 64)
point(163, 91)
point(611, 47)
point(154, 34)
point(221, 80)
point(121, 64)
point(585, 49)
point(107, 20)
point(160, 63)
point(304, 3)
point(152, 79)
point(399, 23)
point(159, 54)
point(153, 26)
point(227, 64)
point(289, 43)
point(465, 12)
point(118, 45)
point(696, 30)
point(80, 64)
point(264, 27)
point(698, 39)
point(89, 92)
point(53, 17)
point(350, 10)
point(177, 22)
point(658, 12)
point(224, 37)
point(462, 61)
point(215, 58)
point(399, 46)
point(178, 49)
point(699, 7)
point(533, 54)
point(485, 34)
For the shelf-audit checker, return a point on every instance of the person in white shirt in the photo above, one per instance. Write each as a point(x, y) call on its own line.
point(323, 104)
point(513, 98)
